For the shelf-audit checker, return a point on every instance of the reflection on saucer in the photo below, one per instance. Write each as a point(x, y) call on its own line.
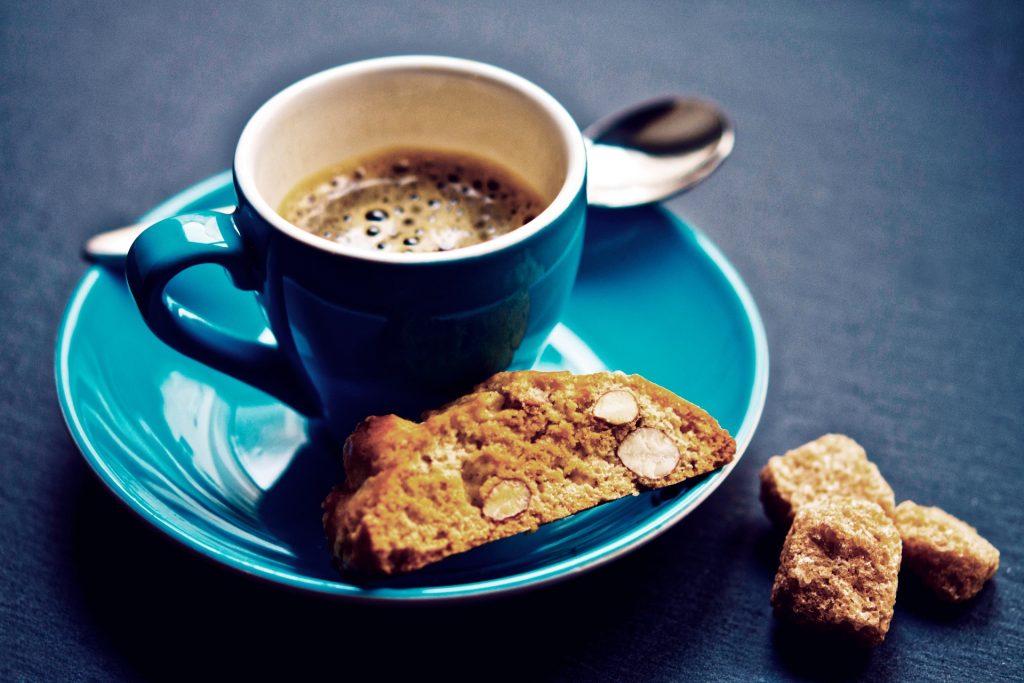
point(566, 351)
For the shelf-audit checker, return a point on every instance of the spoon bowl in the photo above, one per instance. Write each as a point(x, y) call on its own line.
point(654, 150)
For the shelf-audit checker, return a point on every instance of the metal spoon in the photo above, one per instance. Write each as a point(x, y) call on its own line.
point(654, 150)
point(637, 156)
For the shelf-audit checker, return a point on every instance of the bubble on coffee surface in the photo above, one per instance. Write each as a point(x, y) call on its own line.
point(412, 201)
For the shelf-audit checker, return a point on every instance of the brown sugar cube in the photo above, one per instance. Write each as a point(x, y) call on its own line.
point(839, 569)
point(948, 555)
point(521, 450)
point(831, 464)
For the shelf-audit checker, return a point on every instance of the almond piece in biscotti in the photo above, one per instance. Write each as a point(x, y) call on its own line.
point(649, 453)
point(506, 499)
point(617, 407)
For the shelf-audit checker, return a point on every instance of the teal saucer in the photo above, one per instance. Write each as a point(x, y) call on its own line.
point(235, 475)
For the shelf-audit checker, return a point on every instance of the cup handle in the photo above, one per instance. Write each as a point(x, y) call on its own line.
point(171, 246)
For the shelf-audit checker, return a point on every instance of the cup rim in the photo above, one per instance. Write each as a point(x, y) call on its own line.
point(572, 186)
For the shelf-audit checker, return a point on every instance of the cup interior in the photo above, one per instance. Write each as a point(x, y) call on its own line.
point(427, 102)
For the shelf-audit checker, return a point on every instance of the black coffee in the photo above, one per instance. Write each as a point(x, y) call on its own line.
point(412, 200)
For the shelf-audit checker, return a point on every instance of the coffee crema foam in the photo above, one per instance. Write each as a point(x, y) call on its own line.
point(411, 200)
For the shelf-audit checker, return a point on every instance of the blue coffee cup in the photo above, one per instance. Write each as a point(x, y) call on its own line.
point(359, 332)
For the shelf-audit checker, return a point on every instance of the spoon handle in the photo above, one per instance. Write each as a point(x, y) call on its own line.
point(109, 248)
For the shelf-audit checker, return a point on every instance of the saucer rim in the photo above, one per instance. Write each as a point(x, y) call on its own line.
point(545, 575)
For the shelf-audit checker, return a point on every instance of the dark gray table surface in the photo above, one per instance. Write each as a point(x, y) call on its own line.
point(873, 205)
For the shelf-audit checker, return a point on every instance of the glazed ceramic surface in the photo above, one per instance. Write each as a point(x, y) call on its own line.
point(353, 331)
point(236, 475)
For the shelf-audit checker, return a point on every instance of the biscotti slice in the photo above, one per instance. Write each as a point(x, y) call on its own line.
point(523, 449)
point(839, 569)
point(831, 464)
point(947, 554)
